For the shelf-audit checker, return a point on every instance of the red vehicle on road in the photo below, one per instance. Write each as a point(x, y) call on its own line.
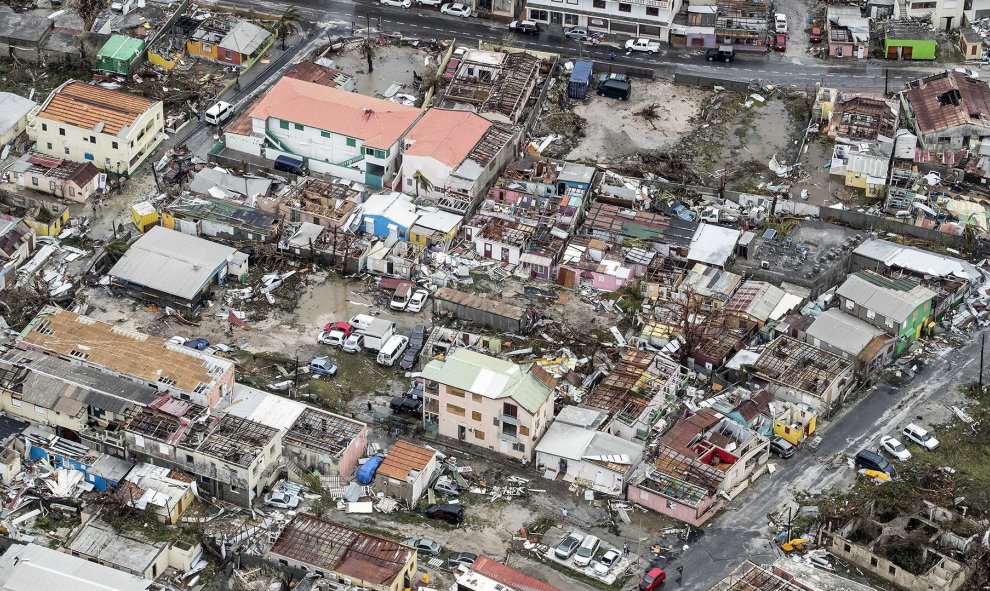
point(780, 42)
point(652, 579)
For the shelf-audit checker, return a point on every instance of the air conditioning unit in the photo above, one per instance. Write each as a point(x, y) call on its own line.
point(764, 264)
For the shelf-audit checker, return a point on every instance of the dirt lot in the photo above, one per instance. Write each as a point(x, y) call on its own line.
point(392, 65)
point(613, 127)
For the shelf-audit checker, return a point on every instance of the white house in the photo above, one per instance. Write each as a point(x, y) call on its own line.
point(635, 18)
point(944, 14)
point(14, 111)
point(348, 135)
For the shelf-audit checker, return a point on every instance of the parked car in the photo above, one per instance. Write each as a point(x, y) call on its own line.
point(400, 298)
point(681, 211)
point(816, 35)
point(869, 460)
point(334, 338)
point(652, 579)
point(642, 45)
point(451, 69)
point(452, 514)
point(177, 340)
point(416, 341)
point(461, 559)
point(322, 366)
point(282, 500)
point(780, 42)
point(456, 9)
point(424, 545)
point(198, 344)
point(780, 23)
point(354, 343)
point(895, 448)
point(614, 88)
point(604, 564)
point(781, 447)
point(586, 551)
point(401, 404)
point(920, 435)
point(398, 3)
point(361, 322)
point(723, 53)
point(576, 34)
point(417, 300)
point(971, 74)
point(429, 2)
point(448, 487)
point(525, 27)
point(568, 546)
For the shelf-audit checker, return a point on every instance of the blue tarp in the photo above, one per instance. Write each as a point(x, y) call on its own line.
point(366, 473)
point(580, 81)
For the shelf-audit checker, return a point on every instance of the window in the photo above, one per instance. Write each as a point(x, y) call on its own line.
point(229, 54)
point(523, 431)
point(189, 458)
point(510, 410)
point(850, 305)
point(61, 131)
point(476, 397)
point(509, 429)
point(67, 149)
point(16, 402)
point(652, 11)
point(49, 145)
point(625, 7)
point(298, 126)
point(455, 391)
point(113, 145)
point(283, 124)
point(324, 134)
point(520, 447)
point(475, 416)
point(39, 409)
point(889, 322)
point(479, 434)
point(92, 139)
point(455, 410)
point(870, 314)
point(34, 181)
point(351, 142)
point(44, 127)
point(892, 570)
point(51, 187)
point(569, 20)
point(233, 487)
point(598, 4)
point(538, 15)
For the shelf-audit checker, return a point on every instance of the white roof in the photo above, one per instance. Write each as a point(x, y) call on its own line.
point(577, 443)
point(915, 259)
point(160, 489)
point(36, 568)
point(97, 539)
point(396, 207)
point(744, 357)
point(262, 407)
point(842, 331)
point(245, 37)
point(432, 218)
point(308, 233)
point(13, 108)
point(580, 417)
point(712, 245)
point(171, 262)
point(785, 305)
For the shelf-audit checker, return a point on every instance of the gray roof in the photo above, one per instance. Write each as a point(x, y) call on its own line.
point(713, 245)
point(917, 260)
point(245, 37)
point(111, 468)
point(576, 173)
point(37, 568)
point(209, 178)
point(892, 303)
point(577, 443)
point(97, 539)
point(171, 262)
point(13, 108)
point(844, 332)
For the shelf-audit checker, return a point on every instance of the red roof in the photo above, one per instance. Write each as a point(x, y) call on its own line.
point(509, 576)
point(376, 122)
point(446, 136)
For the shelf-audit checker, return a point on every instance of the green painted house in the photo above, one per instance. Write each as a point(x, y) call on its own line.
point(898, 306)
point(119, 54)
point(908, 41)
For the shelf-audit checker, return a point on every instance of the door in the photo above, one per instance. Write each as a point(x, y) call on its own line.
point(906, 52)
point(503, 446)
point(488, 250)
point(461, 432)
point(393, 232)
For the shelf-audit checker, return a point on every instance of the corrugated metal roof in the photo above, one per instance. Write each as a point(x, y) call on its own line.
point(508, 576)
point(171, 262)
point(245, 37)
point(403, 458)
point(13, 108)
point(36, 568)
point(755, 298)
point(915, 259)
point(98, 540)
point(490, 377)
point(842, 331)
point(85, 106)
point(884, 297)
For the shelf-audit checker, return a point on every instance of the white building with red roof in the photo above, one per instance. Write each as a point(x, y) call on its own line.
point(345, 134)
point(488, 575)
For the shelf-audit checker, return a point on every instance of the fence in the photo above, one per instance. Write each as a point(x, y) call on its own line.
point(709, 82)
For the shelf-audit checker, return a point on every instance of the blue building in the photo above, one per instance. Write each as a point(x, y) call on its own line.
point(100, 470)
point(389, 215)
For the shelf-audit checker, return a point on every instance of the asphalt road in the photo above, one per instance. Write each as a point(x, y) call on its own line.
point(428, 23)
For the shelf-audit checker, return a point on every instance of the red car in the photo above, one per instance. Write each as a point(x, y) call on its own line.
point(652, 579)
point(780, 42)
point(343, 327)
point(816, 35)
point(448, 73)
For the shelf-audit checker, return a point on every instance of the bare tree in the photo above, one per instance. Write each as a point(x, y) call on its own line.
point(693, 319)
point(88, 10)
point(369, 54)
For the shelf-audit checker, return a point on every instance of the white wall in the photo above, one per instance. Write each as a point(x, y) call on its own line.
point(437, 172)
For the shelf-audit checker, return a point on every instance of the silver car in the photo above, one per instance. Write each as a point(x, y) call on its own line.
point(576, 34)
point(568, 546)
point(354, 343)
point(424, 546)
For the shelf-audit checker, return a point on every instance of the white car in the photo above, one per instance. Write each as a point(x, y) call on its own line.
point(334, 338)
point(417, 301)
point(429, 2)
point(398, 3)
point(920, 435)
point(456, 9)
point(354, 343)
point(607, 561)
point(895, 448)
point(971, 74)
point(780, 23)
point(282, 500)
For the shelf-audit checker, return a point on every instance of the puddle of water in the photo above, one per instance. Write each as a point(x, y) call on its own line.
point(340, 299)
point(769, 133)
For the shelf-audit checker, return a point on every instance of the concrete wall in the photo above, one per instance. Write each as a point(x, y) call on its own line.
point(879, 566)
point(673, 508)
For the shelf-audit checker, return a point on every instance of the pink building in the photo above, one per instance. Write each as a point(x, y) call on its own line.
point(678, 486)
point(74, 181)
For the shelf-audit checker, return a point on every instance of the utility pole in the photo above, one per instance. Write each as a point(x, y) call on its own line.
point(983, 344)
point(886, 80)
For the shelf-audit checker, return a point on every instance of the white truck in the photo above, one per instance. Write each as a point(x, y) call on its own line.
point(377, 333)
point(646, 45)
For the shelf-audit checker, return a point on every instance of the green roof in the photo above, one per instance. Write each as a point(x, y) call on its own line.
point(119, 47)
point(490, 377)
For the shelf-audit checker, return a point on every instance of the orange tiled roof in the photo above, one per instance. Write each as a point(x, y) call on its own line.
point(86, 106)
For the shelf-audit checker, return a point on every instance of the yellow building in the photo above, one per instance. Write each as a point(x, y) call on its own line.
point(434, 226)
point(165, 492)
point(795, 423)
point(116, 131)
point(144, 216)
point(45, 222)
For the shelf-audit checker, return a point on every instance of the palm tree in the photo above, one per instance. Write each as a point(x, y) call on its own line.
point(369, 53)
point(288, 22)
point(422, 182)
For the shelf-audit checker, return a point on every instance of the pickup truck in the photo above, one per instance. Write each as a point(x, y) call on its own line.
point(646, 45)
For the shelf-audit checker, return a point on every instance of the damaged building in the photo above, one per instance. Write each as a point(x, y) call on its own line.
point(804, 374)
point(496, 85)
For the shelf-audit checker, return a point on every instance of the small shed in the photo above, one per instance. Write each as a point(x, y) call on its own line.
point(580, 81)
point(119, 54)
point(970, 44)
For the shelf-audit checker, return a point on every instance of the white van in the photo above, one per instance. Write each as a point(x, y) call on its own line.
point(392, 350)
point(361, 322)
point(219, 113)
point(586, 551)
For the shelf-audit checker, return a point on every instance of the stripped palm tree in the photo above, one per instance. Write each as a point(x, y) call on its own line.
point(287, 23)
point(422, 182)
